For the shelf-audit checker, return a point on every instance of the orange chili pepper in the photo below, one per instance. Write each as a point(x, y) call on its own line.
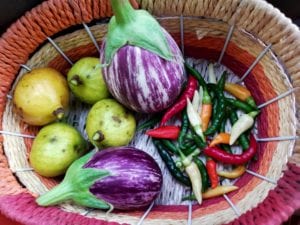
point(237, 91)
point(206, 111)
point(221, 138)
point(218, 191)
point(235, 173)
point(211, 193)
point(240, 92)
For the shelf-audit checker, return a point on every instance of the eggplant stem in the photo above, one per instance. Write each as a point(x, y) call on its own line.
point(123, 11)
point(57, 195)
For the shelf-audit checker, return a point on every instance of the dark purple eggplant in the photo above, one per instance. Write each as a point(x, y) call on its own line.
point(121, 178)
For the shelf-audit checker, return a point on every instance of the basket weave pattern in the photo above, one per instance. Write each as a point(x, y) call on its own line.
point(203, 38)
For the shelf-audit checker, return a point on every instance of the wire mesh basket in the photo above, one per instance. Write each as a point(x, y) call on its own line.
point(257, 43)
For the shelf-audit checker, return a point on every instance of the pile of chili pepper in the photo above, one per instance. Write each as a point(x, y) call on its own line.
point(201, 141)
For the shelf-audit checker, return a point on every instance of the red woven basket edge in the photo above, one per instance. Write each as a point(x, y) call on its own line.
point(10, 62)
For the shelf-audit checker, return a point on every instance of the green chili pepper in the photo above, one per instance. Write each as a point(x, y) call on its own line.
point(204, 174)
point(239, 104)
point(187, 144)
point(220, 111)
point(243, 140)
point(189, 150)
point(148, 123)
point(215, 108)
point(170, 146)
point(198, 141)
point(184, 127)
point(171, 165)
point(222, 81)
point(196, 74)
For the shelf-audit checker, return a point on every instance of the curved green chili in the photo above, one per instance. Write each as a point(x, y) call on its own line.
point(227, 148)
point(220, 110)
point(239, 104)
point(189, 150)
point(198, 141)
point(184, 127)
point(148, 123)
point(196, 74)
point(171, 165)
point(170, 146)
point(203, 172)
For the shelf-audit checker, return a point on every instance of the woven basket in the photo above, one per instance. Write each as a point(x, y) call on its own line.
point(206, 24)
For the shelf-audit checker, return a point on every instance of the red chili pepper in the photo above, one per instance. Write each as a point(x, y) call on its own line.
point(181, 103)
point(225, 157)
point(211, 168)
point(165, 132)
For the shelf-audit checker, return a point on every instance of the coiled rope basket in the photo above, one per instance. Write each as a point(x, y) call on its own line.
point(206, 24)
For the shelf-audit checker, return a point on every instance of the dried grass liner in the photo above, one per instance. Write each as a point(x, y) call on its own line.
point(203, 38)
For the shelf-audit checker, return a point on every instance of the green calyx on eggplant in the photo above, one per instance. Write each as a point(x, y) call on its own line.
point(134, 27)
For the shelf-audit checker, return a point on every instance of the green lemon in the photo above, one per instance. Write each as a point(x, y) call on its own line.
point(54, 149)
point(110, 124)
point(86, 81)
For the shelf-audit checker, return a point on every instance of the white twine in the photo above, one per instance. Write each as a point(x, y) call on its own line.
point(87, 212)
point(190, 219)
point(235, 209)
point(26, 67)
point(9, 96)
point(182, 34)
point(278, 97)
point(60, 51)
point(229, 35)
point(279, 138)
point(23, 170)
point(258, 58)
point(16, 134)
point(89, 32)
point(145, 214)
point(261, 176)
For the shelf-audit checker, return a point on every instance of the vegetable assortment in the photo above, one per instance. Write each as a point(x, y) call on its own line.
point(144, 72)
point(193, 150)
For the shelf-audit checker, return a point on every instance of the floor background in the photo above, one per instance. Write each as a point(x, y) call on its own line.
point(10, 10)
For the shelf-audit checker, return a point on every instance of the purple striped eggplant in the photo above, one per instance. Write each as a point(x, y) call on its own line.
point(122, 178)
point(142, 64)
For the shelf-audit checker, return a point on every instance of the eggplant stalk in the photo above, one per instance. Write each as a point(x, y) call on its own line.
point(76, 185)
point(134, 27)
